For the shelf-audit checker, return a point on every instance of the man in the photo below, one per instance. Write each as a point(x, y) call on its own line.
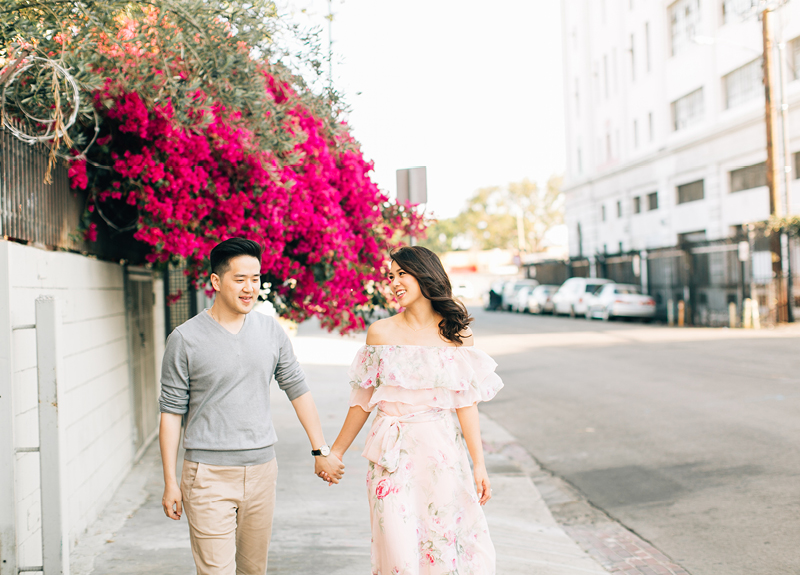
point(216, 373)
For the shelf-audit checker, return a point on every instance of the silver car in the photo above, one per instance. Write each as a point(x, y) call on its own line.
point(511, 289)
point(540, 299)
point(620, 300)
point(573, 295)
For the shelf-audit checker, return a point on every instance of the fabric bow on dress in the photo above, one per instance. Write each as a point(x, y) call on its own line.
point(383, 444)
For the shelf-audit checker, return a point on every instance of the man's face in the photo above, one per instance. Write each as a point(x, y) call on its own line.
point(237, 289)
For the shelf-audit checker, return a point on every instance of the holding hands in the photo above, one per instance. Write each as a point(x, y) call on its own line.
point(329, 468)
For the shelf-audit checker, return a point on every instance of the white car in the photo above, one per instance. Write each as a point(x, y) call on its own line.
point(520, 302)
point(573, 295)
point(540, 299)
point(620, 300)
point(463, 290)
point(511, 289)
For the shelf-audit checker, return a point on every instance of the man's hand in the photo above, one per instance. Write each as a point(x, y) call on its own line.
point(329, 468)
point(172, 501)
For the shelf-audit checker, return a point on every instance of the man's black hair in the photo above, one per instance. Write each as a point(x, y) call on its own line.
point(225, 251)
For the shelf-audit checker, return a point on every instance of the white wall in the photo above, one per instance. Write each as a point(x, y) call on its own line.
point(95, 411)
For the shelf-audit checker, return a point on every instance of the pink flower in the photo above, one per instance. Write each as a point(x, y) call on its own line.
point(429, 556)
point(383, 488)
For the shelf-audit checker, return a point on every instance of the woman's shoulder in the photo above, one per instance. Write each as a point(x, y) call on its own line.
point(380, 332)
point(467, 337)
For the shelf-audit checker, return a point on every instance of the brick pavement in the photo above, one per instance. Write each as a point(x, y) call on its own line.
point(620, 551)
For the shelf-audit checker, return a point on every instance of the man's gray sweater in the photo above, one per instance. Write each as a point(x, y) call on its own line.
point(220, 381)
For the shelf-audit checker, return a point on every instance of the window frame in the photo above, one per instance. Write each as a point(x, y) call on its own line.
point(685, 194)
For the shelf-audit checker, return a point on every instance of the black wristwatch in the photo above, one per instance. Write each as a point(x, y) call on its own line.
point(324, 451)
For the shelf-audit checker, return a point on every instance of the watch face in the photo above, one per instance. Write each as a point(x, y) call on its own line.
point(325, 450)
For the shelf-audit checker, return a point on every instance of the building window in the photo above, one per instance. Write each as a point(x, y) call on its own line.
point(580, 161)
point(647, 44)
point(688, 110)
point(793, 58)
point(736, 10)
point(637, 205)
point(577, 99)
point(743, 84)
point(603, 213)
point(691, 192)
point(684, 17)
point(749, 177)
point(633, 58)
point(635, 134)
point(619, 209)
point(796, 157)
point(650, 132)
point(605, 75)
point(608, 146)
point(620, 248)
point(652, 201)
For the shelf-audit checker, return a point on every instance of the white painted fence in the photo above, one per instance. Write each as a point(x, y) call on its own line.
point(95, 409)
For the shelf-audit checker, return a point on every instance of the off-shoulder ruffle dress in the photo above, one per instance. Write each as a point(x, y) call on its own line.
point(424, 510)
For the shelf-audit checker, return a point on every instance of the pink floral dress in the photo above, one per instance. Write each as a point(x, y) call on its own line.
point(424, 509)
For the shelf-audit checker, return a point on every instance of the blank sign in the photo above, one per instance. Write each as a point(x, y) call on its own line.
point(412, 185)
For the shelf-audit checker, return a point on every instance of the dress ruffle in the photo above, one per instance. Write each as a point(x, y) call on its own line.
point(437, 377)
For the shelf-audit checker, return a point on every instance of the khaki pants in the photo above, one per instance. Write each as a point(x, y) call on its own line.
point(229, 510)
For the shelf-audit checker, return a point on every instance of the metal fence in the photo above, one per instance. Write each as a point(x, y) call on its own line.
point(30, 210)
point(180, 296)
point(699, 280)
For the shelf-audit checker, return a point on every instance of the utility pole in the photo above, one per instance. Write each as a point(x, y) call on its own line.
point(330, 44)
point(787, 180)
point(773, 177)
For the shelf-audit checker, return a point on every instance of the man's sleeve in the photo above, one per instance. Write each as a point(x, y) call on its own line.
point(174, 376)
point(288, 373)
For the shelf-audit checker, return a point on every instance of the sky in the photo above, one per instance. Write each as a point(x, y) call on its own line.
point(470, 89)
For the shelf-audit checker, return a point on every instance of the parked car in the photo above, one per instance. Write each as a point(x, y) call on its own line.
point(571, 298)
point(463, 290)
point(494, 297)
point(620, 300)
point(540, 299)
point(511, 289)
point(520, 302)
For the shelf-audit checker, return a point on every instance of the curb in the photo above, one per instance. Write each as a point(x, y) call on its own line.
point(615, 547)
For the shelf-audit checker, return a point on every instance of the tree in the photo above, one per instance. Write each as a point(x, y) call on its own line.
point(190, 129)
point(491, 218)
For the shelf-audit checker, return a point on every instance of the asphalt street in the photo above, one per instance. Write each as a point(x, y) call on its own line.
point(687, 436)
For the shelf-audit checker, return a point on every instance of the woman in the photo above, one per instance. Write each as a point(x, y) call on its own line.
point(417, 368)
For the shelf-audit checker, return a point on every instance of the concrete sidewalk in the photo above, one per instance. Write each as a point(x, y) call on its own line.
point(321, 529)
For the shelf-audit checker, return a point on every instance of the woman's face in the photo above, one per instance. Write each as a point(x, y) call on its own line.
point(404, 285)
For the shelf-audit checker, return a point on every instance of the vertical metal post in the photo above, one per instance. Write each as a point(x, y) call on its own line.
point(787, 181)
point(55, 539)
point(8, 497)
point(644, 271)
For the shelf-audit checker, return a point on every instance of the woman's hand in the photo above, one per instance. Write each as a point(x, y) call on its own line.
point(329, 468)
point(482, 484)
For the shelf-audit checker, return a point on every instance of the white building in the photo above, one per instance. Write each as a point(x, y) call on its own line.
point(666, 138)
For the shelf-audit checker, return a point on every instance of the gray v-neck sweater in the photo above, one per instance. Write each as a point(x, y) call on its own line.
point(220, 382)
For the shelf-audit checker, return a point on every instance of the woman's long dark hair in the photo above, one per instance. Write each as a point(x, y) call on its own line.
point(434, 284)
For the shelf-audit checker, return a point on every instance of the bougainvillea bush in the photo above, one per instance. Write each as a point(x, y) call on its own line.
point(206, 134)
